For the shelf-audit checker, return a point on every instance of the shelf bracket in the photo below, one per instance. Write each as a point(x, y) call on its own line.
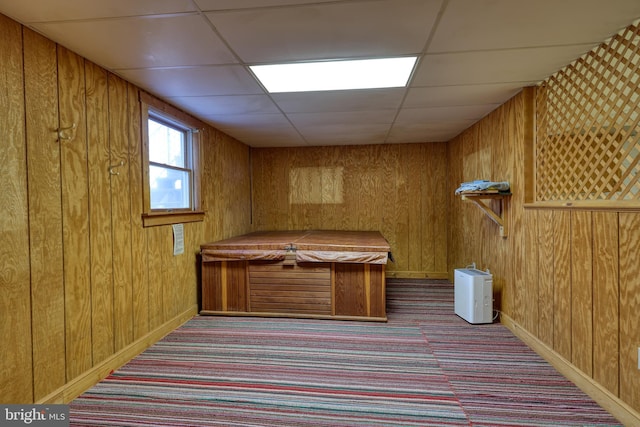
point(480, 201)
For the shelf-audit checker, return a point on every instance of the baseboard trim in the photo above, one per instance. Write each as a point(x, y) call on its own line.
point(88, 379)
point(610, 402)
point(416, 274)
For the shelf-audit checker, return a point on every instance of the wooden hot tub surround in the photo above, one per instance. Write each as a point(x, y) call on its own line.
point(319, 274)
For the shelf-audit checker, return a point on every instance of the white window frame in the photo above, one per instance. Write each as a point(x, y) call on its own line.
point(152, 108)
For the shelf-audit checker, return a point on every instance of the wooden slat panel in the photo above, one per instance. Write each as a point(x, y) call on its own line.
point(378, 299)
point(193, 239)
point(270, 194)
point(428, 211)
point(546, 278)
point(45, 214)
point(369, 187)
point(456, 246)
point(236, 194)
point(350, 298)
point(605, 300)
point(99, 212)
point(520, 128)
point(629, 308)
point(284, 289)
point(562, 283)
point(413, 166)
point(400, 219)
point(437, 193)
point(156, 241)
point(171, 275)
point(140, 278)
point(75, 212)
point(532, 266)
point(388, 196)
point(211, 289)
point(283, 278)
point(16, 376)
point(300, 288)
point(237, 286)
point(582, 291)
point(294, 302)
point(121, 212)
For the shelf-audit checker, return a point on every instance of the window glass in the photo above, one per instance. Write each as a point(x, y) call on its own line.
point(169, 188)
point(166, 144)
point(170, 183)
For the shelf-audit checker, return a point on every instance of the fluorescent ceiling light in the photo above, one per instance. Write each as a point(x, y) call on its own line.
point(335, 75)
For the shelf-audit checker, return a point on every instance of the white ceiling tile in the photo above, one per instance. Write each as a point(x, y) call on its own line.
point(218, 105)
point(345, 100)
point(241, 122)
point(142, 42)
point(208, 5)
point(443, 114)
point(342, 118)
point(332, 30)
point(525, 66)
point(427, 132)
point(192, 53)
point(449, 96)
point(65, 10)
point(351, 134)
point(194, 81)
point(498, 24)
point(264, 135)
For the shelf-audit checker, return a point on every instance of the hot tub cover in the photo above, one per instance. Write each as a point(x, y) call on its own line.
point(368, 247)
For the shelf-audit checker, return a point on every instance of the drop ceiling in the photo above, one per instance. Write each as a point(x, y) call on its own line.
point(473, 56)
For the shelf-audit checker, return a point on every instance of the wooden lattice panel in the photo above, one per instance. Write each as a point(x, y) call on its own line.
point(588, 125)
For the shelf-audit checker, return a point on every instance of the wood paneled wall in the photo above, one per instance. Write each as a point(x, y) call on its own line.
point(399, 190)
point(82, 281)
point(568, 277)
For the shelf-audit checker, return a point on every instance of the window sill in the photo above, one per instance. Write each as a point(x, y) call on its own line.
point(168, 218)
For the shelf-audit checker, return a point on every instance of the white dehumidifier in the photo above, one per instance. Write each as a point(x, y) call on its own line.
point(473, 295)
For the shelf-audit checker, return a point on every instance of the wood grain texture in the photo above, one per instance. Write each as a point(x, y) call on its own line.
point(121, 212)
point(101, 245)
point(520, 123)
point(45, 214)
point(570, 296)
point(398, 190)
point(73, 231)
point(582, 347)
point(16, 376)
point(562, 283)
point(377, 300)
point(350, 296)
point(226, 186)
point(546, 276)
point(629, 308)
point(290, 289)
point(158, 250)
point(606, 289)
point(529, 306)
point(139, 252)
point(75, 212)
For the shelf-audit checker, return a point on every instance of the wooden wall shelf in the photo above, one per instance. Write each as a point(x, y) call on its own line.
point(479, 199)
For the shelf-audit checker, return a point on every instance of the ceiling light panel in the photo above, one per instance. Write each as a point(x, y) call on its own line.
point(335, 75)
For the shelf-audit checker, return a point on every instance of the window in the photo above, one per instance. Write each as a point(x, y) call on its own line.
point(170, 165)
point(170, 153)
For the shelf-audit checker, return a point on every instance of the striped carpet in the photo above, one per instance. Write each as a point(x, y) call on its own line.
point(425, 367)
